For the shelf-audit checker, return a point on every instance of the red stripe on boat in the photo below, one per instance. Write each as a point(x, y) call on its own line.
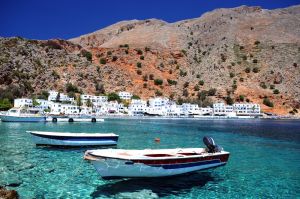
point(222, 158)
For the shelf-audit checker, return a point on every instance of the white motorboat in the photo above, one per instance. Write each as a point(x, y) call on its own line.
point(23, 115)
point(73, 139)
point(121, 163)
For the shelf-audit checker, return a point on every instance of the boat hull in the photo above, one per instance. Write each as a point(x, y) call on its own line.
point(110, 168)
point(7, 118)
point(74, 141)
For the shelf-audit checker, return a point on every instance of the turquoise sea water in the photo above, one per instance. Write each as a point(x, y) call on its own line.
point(264, 161)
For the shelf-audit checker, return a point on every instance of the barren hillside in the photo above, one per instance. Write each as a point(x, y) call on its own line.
point(239, 54)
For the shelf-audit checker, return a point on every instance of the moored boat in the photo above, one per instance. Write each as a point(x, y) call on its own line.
point(23, 115)
point(120, 163)
point(73, 139)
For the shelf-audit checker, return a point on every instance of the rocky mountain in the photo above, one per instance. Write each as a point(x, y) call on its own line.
point(239, 54)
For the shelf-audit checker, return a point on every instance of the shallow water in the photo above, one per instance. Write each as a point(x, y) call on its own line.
point(264, 161)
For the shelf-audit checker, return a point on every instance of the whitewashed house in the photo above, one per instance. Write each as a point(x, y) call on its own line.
point(220, 109)
point(158, 106)
point(22, 102)
point(125, 95)
point(62, 97)
point(206, 111)
point(137, 107)
point(43, 104)
point(247, 109)
point(96, 100)
point(190, 109)
point(69, 109)
point(174, 110)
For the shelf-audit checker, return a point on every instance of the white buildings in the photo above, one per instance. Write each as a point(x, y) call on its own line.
point(221, 109)
point(158, 106)
point(247, 109)
point(43, 104)
point(96, 100)
point(62, 97)
point(69, 109)
point(137, 107)
point(155, 106)
point(190, 109)
point(125, 95)
point(22, 102)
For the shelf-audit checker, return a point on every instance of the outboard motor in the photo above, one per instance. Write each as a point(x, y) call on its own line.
point(211, 146)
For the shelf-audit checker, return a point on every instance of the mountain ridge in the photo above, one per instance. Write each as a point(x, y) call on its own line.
point(242, 53)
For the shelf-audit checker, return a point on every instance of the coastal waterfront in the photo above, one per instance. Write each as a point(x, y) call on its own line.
point(264, 160)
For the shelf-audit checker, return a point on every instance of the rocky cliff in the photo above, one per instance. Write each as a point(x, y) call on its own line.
point(239, 54)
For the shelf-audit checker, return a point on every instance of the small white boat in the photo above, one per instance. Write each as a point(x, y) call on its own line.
point(120, 163)
point(23, 115)
point(73, 139)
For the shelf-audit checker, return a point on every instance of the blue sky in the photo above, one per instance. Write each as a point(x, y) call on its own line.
point(41, 19)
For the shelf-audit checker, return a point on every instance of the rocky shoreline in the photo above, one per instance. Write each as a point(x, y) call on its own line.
point(8, 194)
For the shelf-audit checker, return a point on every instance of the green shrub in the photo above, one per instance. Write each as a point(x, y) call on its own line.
point(139, 65)
point(201, 82)
point(242, 98)
point(212, 92)
point(158, 82)
point(102, 61)
point(276, 91)
point(241, 79)
point(182, 73)
point(255, 61)
point(147, 49)
point(142, 57)
point(87, 55)
point(268, 103)
point(126, 46)
point(247, 70)
point(229, 100)
point(198, 76)
point(158, 93)
point(184, 52)
point(71, 88)
point(272, 86)
point(114, 58)
point(145, 85)
point(5, 104)
point(257, 42)
point(139, 51)
point(171, 82)
point(135, 97)
point(263, 85)
point(255, 70)
point(196, 88)
point(109, 53)
point(231, 75)
point(113, 97)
